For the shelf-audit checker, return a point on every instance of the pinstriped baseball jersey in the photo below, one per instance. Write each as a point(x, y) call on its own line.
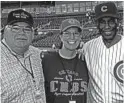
point(106, 71)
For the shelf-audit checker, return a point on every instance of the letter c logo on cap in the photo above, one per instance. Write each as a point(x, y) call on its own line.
point(71, 21)
point(104, 8)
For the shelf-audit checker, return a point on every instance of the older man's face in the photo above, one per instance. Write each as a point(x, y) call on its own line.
point(108, 28)
point(18, 35)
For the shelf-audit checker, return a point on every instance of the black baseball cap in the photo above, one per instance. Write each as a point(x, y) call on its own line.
point(108, 9)
point(20, 15)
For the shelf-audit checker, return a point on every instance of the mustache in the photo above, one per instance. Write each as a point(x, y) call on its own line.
point(112, 29)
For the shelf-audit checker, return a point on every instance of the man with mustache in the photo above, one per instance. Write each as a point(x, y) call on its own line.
point(105, 58)
point(22, 79)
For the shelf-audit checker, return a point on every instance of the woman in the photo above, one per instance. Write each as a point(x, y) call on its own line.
point(66, 76)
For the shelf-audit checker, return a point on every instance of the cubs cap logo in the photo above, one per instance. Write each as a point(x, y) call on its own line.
point(67, 23)
point(104, 8)
point(71, 21)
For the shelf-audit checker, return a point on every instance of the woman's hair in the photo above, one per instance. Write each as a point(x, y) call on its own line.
point(61, 44)
point(2, 32)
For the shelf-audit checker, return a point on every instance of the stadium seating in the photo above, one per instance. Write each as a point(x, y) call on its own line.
point(47, 41)
point(51, 24)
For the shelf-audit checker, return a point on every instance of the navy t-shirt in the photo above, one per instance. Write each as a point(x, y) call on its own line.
point(64, 78)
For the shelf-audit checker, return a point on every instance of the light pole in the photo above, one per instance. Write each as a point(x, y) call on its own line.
point(20, 4)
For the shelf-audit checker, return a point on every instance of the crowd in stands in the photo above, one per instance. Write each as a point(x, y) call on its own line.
point(52, 23)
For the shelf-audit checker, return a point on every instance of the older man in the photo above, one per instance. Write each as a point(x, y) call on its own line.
point(22, 76)
point(105, 58)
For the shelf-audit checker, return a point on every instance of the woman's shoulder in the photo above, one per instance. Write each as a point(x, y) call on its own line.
point(48, 54)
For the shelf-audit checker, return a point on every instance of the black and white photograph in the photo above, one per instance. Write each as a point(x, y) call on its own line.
point(62, 51)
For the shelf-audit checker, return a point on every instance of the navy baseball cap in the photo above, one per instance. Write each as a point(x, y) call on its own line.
point(108, 9)
point(20, 16)
point(70, 23)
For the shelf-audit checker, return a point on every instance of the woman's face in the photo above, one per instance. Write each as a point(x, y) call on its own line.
point(71, 38)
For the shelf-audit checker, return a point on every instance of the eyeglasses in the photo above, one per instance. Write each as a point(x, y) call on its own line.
point(110, 23)
point(15, 28)
point(68, 34)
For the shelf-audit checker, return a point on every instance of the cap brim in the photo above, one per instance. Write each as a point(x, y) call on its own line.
point(107, 15)
point(72, 26)
point(14, 21)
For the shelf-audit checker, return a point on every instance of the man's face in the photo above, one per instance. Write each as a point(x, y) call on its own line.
point(18, 35)
point(71, 38)
point(107, 27)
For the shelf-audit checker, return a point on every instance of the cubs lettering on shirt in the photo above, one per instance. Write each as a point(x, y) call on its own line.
point(60, 87)
point(61, 84)
point(106, 71)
